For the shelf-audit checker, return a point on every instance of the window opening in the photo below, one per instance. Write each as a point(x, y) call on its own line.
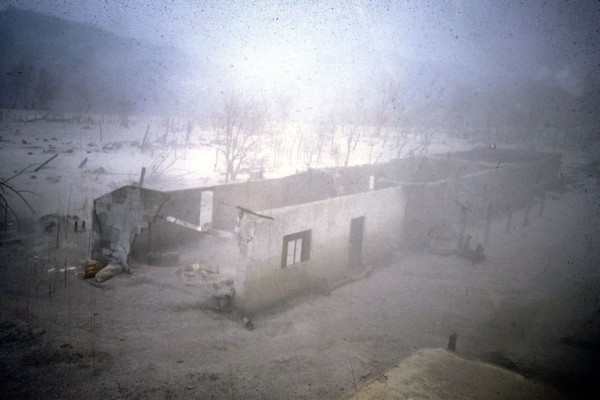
point(296, 248)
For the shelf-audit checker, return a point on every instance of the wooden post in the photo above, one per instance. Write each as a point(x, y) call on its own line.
point(142, 175)
point(488, 224)
point(143, 147)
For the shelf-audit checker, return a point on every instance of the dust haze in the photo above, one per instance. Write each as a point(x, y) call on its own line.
point(303, 200)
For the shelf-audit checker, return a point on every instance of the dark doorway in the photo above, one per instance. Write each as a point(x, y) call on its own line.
point(355, 243)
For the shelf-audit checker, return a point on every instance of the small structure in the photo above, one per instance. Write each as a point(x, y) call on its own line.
point(277, 238)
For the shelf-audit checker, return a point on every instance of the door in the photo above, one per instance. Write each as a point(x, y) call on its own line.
point(357, 226)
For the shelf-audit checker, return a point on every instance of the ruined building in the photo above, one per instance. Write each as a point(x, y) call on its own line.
point(277, 238)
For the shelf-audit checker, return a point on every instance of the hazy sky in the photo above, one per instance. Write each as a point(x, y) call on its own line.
point(312, 42)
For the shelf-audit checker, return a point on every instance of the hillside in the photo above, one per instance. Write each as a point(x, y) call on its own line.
point(84, 66)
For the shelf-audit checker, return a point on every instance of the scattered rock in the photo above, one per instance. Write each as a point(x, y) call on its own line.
point(109, 271)
point(91, 268)
point(189, 274)
point(248, 323)
point(211, 269)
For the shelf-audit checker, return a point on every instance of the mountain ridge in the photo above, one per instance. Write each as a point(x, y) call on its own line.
point(115, 68)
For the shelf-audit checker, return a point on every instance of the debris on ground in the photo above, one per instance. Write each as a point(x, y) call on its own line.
point(211, 269)
point(247, 323)
point(466, 252)
point(224, 295)
point(112, 269)
point(91, 268)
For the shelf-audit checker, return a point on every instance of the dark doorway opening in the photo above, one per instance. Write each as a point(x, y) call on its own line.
point(357, 226)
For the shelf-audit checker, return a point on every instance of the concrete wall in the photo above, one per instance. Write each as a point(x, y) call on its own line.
point(306, 187)
point(184, 204)
point(161, 235)
point(136, 215)
point(499, 188)
point(429, 169)
point(261, 281)
point(264, 194)
point(119, 216)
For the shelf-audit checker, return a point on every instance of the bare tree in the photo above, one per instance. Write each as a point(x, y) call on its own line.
point(354, 117)
point(84, 98)
point(352, 135)
point(238, 126)
point(385, 104)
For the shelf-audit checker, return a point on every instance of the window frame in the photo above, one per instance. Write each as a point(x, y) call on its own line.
point(305, 239)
